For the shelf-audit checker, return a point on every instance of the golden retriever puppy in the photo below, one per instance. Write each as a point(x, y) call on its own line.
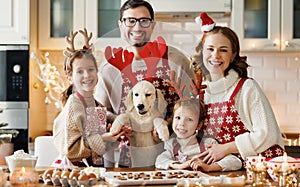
point(145, 107)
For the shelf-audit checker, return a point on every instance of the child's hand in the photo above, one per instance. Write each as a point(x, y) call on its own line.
point(184, 165)
point(108, 127)
point(127, 130)
point(112, 136)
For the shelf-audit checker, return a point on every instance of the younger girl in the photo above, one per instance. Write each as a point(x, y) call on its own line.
point(188, 118)
point(74, 129)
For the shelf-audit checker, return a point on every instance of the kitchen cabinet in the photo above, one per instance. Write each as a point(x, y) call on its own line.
point(14, 22)
point(267, 25)
point(57, 18)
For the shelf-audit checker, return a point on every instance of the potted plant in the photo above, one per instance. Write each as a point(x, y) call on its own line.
point(6, 147)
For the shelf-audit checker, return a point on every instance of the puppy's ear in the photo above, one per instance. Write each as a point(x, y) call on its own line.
point(161, 102)
point(129, 101)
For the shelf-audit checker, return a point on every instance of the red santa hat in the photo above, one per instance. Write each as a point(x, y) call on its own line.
point(207, 22)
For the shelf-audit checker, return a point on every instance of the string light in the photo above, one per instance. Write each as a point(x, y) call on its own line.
point(48, 74)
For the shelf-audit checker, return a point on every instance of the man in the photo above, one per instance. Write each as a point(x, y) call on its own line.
point(136, 25)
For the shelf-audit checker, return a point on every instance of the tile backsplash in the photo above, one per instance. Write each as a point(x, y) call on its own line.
point(279, 76)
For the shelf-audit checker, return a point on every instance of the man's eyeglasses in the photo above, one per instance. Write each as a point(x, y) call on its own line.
point(144, 22)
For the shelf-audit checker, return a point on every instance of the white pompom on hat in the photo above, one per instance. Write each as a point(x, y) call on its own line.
point(207, 22)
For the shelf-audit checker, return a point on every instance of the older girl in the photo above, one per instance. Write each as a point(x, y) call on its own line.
point(75, 133)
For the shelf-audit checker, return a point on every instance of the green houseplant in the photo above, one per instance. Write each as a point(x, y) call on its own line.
point(6, 147)
point(6, 134)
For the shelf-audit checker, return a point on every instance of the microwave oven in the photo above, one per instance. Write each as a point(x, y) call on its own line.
point(14, 72)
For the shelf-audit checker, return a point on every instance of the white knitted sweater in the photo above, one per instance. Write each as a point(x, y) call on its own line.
point(68, 131)
point(254, 110)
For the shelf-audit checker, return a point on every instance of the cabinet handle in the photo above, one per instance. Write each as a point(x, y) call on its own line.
point(292, 45)
point(286, 43)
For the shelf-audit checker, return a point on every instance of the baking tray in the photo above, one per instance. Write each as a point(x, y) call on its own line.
point(151, 177)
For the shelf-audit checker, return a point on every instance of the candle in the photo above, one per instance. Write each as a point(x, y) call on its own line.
point(260, 164)
point(24, 176)
point(285, 164)
point(295, 142)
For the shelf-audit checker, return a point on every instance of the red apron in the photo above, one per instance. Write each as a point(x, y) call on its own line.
point(224, 124)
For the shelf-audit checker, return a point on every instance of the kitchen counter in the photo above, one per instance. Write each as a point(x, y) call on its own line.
point(237, 173)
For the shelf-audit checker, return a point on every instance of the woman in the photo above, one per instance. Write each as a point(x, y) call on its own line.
point(239, 114)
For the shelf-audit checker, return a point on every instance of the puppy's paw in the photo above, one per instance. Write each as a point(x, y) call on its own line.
point(120, 120)
point(161, 127)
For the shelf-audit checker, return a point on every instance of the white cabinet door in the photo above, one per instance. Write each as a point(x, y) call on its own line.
point(290, 25)
point(102, 19)
point(14, 22)
point(282, 25)
point(251, 43)
point(48, 38)
point(97, 16)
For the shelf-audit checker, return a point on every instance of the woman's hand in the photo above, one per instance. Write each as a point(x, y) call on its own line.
point(216, 152)
point(197, 164)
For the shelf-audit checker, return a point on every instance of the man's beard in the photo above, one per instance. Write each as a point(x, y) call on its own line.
point(140, 44)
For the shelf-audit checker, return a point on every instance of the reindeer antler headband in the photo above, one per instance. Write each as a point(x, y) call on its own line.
point(196, 88)
point(151, 53)
point(70, 50)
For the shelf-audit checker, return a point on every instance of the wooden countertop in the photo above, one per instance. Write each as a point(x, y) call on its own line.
point(239, 173)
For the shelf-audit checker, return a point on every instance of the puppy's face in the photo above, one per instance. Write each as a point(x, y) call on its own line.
point(143, 97)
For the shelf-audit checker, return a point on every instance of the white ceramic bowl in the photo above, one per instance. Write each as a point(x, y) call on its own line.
point(13, 162)
point(276, 163)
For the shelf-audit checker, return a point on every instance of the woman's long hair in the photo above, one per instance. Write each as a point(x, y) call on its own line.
point(239, 63)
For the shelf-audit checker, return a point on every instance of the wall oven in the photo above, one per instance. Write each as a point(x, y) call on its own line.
point(14, 92)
